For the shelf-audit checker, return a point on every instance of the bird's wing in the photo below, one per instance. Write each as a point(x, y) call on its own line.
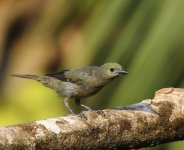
point(59, 75)
point(78, 75)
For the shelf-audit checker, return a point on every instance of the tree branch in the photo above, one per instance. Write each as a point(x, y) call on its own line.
point(151, 122)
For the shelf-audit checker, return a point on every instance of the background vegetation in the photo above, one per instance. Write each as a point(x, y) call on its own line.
point(39, 37)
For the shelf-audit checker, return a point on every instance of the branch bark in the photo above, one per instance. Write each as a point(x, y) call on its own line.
point(151, 122)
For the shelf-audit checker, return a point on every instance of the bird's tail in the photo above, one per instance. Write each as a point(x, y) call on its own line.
point(28, 76)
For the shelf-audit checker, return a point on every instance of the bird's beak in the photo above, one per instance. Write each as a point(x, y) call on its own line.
point(122, 71)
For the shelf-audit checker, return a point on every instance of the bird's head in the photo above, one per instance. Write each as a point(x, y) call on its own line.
point(111, 70)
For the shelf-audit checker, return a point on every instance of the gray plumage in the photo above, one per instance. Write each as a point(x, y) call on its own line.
point(79, 83)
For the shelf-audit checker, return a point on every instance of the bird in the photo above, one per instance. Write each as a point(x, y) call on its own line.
point(78, 83)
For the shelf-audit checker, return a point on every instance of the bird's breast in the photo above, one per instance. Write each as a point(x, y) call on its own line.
point(80, 91)
point(72, 90)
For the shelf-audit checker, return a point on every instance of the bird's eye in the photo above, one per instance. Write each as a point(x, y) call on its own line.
point(111, 69)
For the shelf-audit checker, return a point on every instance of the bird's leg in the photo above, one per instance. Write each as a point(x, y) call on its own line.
point(77, 102)
point(67, 106)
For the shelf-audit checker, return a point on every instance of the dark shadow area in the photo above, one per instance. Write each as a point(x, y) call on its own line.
point(14, 31)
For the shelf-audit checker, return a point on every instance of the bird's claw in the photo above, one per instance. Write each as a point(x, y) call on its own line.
point(100, 112)
point(82, 116)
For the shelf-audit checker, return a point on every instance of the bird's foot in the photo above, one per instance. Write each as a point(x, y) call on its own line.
point(100, 112)
point(82, 116)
